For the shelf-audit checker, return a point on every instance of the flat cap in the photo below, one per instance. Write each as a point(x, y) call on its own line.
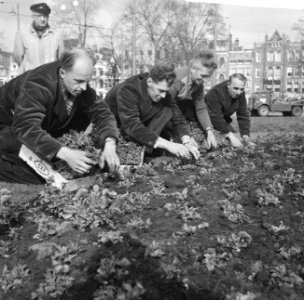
point(41, 8)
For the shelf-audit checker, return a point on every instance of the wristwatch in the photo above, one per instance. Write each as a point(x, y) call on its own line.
point(110, 140)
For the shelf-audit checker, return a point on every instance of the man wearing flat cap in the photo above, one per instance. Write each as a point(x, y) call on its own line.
point(38, 44)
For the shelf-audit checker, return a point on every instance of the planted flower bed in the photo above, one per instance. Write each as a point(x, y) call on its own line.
point(228, 226)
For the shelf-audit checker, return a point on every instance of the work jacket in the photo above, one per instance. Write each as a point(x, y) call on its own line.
point(33, 112)
point(30, 51)
point(221, 106)
point(184, 89)
point(133, 108)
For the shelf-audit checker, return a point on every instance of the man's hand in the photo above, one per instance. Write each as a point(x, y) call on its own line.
point(78, 161)
point(178, 149)
point(235, 142)
point(110, 156)
point(246, 140)
point(211, 140)
point(191, 145)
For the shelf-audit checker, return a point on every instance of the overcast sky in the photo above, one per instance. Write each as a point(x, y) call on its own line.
point(249, 24)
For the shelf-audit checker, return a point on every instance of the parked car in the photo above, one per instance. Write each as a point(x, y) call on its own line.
point(261, 103)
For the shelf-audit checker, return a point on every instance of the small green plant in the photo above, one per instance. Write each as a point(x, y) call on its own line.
point(154, 250)
point(54, 286)
point(189, 213)
point(138, 223)
point(236, 241)
point(113, 236)
point(234, 212)
point(11, 279)
point(213, 259)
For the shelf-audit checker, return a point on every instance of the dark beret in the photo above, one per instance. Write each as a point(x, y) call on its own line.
point(41, 8)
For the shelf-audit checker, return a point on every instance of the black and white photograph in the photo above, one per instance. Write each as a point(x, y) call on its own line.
point(151, 150)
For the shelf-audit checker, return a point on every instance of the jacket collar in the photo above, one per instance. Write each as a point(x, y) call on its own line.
point(47, 31)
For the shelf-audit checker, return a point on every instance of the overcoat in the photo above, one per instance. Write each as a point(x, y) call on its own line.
point(33, 112)
point(133, 108)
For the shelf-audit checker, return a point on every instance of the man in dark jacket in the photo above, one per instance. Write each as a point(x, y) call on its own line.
point(43, 104)
point(188, 92)
point(223, 100)
point(144, 110)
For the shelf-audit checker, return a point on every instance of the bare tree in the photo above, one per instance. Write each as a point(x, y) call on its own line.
point(299, 27)
point(76, 17)
point(176, 29)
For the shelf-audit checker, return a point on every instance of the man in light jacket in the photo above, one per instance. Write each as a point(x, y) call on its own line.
point(188, 92)
point(38, 44)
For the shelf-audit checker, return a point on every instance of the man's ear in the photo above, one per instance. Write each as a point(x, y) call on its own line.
point(149, 81)
point(61, 73)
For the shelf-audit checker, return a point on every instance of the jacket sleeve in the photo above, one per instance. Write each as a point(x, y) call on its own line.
point(30, 111)
point(19, 50)
point(215, 111)
point(201, 108)
point(103, 120)
point(243, 116)
point(178, 120)
point(129, 116)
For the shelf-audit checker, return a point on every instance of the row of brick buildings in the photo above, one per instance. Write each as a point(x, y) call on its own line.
point(274, 65)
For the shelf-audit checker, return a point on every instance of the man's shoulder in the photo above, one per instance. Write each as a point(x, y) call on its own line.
point(219, 87)
point(181, 73)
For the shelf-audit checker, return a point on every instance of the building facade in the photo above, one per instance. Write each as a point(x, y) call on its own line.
point(275, 65)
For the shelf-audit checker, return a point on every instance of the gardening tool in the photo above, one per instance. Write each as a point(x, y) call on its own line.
point(46, 171)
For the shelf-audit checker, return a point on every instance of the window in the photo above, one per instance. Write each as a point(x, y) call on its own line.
point(277, 55)
point(270, 56)
point(258, 56)
point(297, 71)
point(277, 72)
point(296, 87)
point(221, 77)
point(221, 62)
point(289, 71)
point(270, 73)
point(289, 86)
point(258, 72)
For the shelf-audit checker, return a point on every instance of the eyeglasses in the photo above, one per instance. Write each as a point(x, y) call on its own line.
point(238, 89)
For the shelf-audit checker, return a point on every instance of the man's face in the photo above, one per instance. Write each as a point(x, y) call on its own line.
point(157, 91)
point(40, 20)
point(76, 79)
point(236, 87)
point(198, 73)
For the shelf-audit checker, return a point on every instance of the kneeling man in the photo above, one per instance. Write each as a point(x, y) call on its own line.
point(225, 99)
point(44, 103)
point(146, 112)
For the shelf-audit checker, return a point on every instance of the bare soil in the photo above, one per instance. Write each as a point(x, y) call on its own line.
point(228, 226)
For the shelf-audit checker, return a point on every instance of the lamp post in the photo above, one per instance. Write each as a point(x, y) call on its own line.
point(134, 38)
point(13, 12)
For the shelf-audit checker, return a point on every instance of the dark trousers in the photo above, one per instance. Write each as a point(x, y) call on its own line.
point(12, 167)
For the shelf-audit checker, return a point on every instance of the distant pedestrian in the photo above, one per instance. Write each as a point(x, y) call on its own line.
point(225, 99)
point(39, 44)
point(188, 92)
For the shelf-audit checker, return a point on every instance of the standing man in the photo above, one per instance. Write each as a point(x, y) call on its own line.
point(38, 44)
point(147, 114)
point(188, 92)
point(225, 99)
point(42, 104)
